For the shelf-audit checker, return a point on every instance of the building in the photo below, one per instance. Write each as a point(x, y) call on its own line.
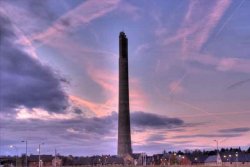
point(235, 158)
point(213, 160)
point(124, 136)
point(45, 161)
point(96, 161)
point(140, 159)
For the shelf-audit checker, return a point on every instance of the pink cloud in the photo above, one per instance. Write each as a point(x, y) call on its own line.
point(194, 33)
point(138, 98)
point(224, 64)
point(141, 48)
point(18, 18)
point(234, 64)
point(160, 29)
point(129, 9)
point(93, 107)
point(175, 87)
point(109, 82)
point(211, 21)
point(79, 16)
point(37, 113)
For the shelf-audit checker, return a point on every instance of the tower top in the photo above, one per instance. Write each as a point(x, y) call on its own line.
point(122, 35)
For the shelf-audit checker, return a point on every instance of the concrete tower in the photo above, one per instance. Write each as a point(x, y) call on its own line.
point(124, 137)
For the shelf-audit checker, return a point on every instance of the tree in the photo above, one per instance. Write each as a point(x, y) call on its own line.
point(248, 150)
point(222, 150)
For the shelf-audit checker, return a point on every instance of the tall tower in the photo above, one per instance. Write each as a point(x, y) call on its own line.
point(124, 137)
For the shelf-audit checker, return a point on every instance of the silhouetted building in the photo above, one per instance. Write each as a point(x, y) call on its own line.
point(124, 136)
point(45, 161)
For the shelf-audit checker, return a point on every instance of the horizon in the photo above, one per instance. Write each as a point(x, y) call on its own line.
point(189, 66)
point(160, 152)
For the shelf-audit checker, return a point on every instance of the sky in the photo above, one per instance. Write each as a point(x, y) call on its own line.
point(189, 74)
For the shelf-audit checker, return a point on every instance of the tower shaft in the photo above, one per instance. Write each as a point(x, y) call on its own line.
point(124, 136)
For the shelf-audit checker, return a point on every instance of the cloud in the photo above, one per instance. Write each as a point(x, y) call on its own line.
point(141, 48)
point(81, 131)
point(211, 21)
point(108, 81)
point(81, 15)
point(24, 80)
point(149, 120)
point(235, 130)
point(40, 114)
point(175, 87)
point(32, 12)
point(206, 136)
point(139, 119)
point(234, 64)
point(83, 127)
point(239, 83)
point(74, 133)
point(102, 126)
point(156, 138)
point(223, 64)
point(197, 26)
point(129, 9)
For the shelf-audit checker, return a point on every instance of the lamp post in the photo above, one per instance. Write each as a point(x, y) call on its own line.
point(26, 158)
point(175, 158)
point(39, 150)
point(196, 159)
point(237, 155)
point(217, 144)
point(55, 157)
point(218, 155)
point(11, 146)
point(169, 156)
point(106, 160)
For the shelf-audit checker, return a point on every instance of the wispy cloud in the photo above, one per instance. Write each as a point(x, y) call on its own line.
point(141, 48)
point(239, 83)
point(229, 18)
point(236, 130)
point(224, 64)
point(206, 136)
point(194, 33)
point(79, 16)
point(25, 81)
point(127, 8)
point(175, 87)
point(41, 114)
point(211, 21)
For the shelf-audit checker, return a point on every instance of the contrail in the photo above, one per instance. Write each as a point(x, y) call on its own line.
point(238, 84)
point(214, 114)
point(178, 83)
point(196, 108)
point(229, 18)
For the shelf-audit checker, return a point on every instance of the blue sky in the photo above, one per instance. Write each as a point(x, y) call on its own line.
point(188, 65)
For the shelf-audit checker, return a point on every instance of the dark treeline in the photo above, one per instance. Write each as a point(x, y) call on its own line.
point(180, 152)
point(209, 152)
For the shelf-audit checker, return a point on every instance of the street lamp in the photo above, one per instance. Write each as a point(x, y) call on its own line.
point(218, 160)
point(217, 143)
point(26, 158)
point(175, 158)
point(11, 146)
point(106, 160)
point(39, 159)
point(237, 155)
point(169, 158)
point(196, 160)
